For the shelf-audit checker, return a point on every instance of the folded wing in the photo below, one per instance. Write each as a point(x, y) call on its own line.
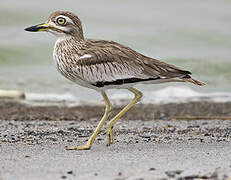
point(103, 63)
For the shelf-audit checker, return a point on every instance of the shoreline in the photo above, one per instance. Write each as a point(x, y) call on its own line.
point(148, 143)
point(21, 111)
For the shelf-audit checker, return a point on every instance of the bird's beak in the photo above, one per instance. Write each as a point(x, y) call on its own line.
point(39, 27)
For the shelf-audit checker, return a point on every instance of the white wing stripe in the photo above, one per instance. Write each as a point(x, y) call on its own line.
point(85, 56)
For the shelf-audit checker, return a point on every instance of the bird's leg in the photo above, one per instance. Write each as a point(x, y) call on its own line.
point(109, 131)
point(95, 133)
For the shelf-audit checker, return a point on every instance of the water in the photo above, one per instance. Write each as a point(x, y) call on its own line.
point(194, 35)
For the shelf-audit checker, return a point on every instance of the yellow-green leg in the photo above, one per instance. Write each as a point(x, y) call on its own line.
point(96, 132)
point(109, 131)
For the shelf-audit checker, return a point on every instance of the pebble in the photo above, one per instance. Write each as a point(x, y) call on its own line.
point(172, 174)
point(69, 172)
point(152, 169)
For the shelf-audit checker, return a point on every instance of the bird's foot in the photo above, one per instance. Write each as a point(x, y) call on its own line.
point(86, 146)
point(110, 137)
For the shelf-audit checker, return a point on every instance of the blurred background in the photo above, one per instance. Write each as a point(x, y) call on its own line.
point(194, 35)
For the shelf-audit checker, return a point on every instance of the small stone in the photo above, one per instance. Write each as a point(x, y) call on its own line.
point(69, 172)
point(173, 173)
point(63, 177)
point(120, 174)
point(152, 169)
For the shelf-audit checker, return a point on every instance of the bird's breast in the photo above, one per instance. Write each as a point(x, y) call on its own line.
point(63, 64)
point(67, 66)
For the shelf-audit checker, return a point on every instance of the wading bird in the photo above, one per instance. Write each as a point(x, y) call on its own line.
point(102, 65)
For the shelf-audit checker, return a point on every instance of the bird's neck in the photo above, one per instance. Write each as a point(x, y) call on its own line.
point(79, 34)
point(66, 43)
point(68, 38)
point(75, 35)
point(62, 39)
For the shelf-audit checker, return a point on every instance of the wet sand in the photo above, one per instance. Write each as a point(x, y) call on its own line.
point(149, 143)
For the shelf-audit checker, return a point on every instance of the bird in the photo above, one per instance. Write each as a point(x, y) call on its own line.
point(102, 65)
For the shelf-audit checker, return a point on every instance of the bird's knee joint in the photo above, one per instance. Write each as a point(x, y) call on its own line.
point(108, 109)
point(139, 96)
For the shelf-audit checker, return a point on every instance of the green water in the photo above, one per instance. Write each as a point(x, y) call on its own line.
point(195, 35)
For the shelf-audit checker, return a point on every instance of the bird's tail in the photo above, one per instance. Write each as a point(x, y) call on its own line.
point(194, 81)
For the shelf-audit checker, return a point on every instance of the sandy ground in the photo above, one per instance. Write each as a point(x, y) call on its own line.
point(33, 140)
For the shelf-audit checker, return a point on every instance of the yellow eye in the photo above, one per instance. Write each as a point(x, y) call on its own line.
point(61, 21)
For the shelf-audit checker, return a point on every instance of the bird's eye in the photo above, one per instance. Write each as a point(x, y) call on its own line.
point(61, 21)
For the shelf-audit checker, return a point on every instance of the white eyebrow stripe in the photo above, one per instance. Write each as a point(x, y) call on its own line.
point(65, 17)
point(85, 56)
point(52, 23)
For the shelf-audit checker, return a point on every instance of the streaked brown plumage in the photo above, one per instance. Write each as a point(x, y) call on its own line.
point(101, 65)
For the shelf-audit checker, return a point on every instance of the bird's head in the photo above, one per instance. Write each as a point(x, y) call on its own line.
point(60, 23)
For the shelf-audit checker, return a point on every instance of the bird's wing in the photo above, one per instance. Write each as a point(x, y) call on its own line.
point(108, 62)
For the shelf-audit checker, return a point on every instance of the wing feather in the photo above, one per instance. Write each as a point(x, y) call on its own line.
point(106, 61)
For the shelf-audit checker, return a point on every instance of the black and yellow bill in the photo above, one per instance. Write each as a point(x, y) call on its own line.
point(39, 27)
